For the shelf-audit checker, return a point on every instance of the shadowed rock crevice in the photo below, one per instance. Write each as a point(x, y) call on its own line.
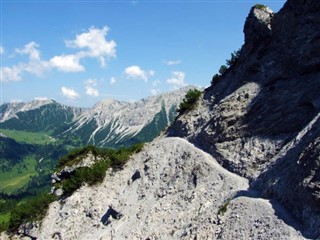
point(111, 213)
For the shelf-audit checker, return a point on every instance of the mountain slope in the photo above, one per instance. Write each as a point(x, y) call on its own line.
point(171, 190)
point(109, 123)
point(260, 119)
point(37, 116)
point(114, 123)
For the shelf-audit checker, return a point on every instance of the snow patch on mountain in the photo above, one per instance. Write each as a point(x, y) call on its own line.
point(10, 110)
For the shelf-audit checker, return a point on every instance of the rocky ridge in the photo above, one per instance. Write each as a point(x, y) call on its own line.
point(170, 190)
point(260, 120)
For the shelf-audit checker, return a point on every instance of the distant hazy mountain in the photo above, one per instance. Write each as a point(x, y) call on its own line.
point(109, 123)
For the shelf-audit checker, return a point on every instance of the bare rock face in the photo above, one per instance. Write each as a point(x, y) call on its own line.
point(170, 190)
point(257, 28)
point(259, 119)
point(295, 178)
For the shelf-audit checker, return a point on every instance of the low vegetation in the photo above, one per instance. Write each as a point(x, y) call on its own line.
point(25, 207)
point(189, 100)
point(260, 6)
point(96, 173)
point(18, 176)
point(224, 68)
point(32, 210)
point(224, 207)
point(28, 137)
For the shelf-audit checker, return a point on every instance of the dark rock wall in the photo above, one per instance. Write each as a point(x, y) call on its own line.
point(263, 103)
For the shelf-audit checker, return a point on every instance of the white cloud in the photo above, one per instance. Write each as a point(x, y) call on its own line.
point(172, 62)
point(177, 79)
point(67, 63)
point(154, 91)
point(138, 73)
point(156, 83)
point(69, 93)
point(41, 99)
point(96, 44)
point(34, 66)
point(151, 73)
point(91, 82)
point(90, 91)
point(15, 100)
point(10, 74)
point(113, 81)
point(31, 50)
point(91, 44)
point(90, 88)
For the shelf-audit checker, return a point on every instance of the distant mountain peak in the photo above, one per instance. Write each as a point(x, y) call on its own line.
point(109, 122)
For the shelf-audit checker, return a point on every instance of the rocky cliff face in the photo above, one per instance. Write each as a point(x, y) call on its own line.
point(170, 190)
point(260, 119)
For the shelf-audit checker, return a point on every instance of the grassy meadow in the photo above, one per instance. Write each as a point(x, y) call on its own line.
point(28, 137)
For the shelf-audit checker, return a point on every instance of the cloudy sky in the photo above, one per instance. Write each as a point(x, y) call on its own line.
point(80, 52)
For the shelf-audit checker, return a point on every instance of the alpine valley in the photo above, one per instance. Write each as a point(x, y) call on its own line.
point(109, 123)
point(35, 135)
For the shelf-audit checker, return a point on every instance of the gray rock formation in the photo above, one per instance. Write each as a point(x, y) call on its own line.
point(260, 119)
point(180, 192)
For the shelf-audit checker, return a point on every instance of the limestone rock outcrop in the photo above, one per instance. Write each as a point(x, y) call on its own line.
point(260, 119)
point(181, 193)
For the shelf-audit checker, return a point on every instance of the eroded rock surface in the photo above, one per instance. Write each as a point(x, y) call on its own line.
point(178, 195)
point(260, 118)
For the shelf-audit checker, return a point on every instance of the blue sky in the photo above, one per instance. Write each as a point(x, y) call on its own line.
point(81, 52)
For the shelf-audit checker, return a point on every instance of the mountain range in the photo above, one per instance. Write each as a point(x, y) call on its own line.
point(109, 123)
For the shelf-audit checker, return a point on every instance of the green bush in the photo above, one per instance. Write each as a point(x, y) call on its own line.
point(223, 68)
point(75, 156)
point(215, 78)
point(234, 57)
point(260, 6)
point(189, 100)
point(224, 207)
point(33, 209)
point(36, 208)
point(90, 175)
point(96, 173)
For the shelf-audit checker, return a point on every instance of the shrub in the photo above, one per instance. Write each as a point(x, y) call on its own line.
point(75, 156)
point(189, 100)
point(215, 78)
point(223, 69)
point(90, 175)
point(36, 208)
point(234, 57)
point(33, 209)
point(224, 207)
point(97, 172)
point(260, 6)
